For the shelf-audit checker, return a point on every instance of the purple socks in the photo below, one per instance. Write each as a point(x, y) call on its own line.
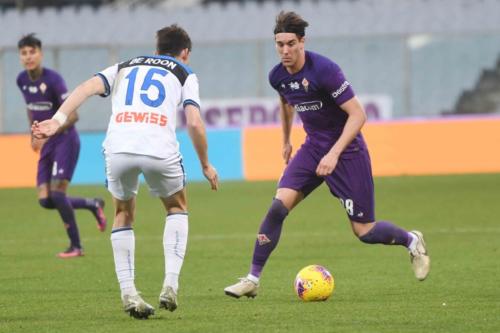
point(85, 203)
point(386, 233)
point(76, 203)
point(268, 237)
point(63, 206)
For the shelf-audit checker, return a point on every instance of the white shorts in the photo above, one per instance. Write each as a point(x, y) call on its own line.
point(163, 176)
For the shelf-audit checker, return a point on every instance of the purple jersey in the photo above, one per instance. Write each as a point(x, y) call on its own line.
point(44, 96)
point(316, 93)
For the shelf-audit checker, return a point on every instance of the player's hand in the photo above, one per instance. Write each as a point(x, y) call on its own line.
point(45, 129)
point(212, 177)
point(37, 144)
point(287, 152)
point(327, 164)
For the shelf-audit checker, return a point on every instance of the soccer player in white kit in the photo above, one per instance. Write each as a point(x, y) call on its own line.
point(146, 92)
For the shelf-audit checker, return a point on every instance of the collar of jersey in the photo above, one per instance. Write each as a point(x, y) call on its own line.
point(189, 70)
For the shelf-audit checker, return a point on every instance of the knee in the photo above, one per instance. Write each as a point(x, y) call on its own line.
point(56, 197)
point(46, 203)
point(277, 211)
point(362, 230)
point(124, 216)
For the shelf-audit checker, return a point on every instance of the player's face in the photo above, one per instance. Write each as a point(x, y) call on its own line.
point(31, 57)
point(290, 49)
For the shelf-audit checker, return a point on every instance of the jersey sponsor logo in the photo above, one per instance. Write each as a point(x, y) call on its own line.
point(40, 106)
point(308, 106)
point(141, 117)
point(339, 91)
point(32, 89)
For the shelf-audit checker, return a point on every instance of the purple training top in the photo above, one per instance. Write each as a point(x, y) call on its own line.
point(316, 92)
point(44, 96)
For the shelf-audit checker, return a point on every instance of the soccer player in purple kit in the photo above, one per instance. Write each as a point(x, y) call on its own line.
point(44, 90)
point(334, 152)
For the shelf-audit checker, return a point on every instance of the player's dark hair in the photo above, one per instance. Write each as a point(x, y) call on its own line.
point(29, 40)
point(172, 40)
point(290, 22)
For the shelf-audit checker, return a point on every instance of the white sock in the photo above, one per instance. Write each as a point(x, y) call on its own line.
point(253, 278)
point(123, 243)
point(175, 238)
point(413, 243)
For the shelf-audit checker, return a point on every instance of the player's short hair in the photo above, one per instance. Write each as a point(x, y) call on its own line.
point(290, 22)
point(29, 40)
point(172, 40)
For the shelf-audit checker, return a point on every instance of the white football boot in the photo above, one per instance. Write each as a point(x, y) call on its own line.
point(420, 260)
point(137, 307)
point(168, 299)
point(243, 288)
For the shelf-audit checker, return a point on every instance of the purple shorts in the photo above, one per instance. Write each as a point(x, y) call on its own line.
point(351, 181)
point(58, 158)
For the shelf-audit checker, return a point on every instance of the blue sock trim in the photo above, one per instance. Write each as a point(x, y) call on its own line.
point(121, 229)
point(169, 214)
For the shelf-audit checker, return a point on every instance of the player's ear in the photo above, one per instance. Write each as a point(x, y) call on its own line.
point(185, 53)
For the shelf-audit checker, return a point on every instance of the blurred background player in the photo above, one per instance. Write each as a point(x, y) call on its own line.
point(44, 90)
point(146, 92)
point(334, 152)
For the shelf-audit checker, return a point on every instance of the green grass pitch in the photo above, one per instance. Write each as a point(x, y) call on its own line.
point(375, 288)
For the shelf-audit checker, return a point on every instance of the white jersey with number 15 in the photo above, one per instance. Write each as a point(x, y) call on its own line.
point(145, 94)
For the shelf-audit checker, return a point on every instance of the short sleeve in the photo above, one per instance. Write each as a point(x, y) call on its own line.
point(108, 77)
point(273, 81)
point(190, 91)
point(59, 87)
point(18, 81)
point(336, 85)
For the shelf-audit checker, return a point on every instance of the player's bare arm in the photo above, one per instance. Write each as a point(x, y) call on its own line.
point(72, 119)
point(36, 144)
point(355, 121)
point(286, 113)
point(47, 128)
point(197, 133)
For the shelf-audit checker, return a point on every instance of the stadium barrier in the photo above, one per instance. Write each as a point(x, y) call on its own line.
point(415, 147)
point(426, 147)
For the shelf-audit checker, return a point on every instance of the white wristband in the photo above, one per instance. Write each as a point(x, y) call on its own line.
point(60, 117)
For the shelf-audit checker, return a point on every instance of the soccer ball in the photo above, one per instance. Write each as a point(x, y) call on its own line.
point(314, 283)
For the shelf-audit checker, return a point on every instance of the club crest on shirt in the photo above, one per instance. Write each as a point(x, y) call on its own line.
point(263, 239)
point(43, 87)
point(305, 84)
